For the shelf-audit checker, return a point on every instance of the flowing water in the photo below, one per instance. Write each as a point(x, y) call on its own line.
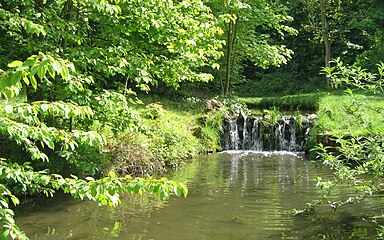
point(286, 133)
point(233, 195)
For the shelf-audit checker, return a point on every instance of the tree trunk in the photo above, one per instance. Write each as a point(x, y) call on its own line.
point(229, 56)
point(327, 42)
point(229, 53)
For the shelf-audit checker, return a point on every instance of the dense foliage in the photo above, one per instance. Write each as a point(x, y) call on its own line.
point(62, 54)
point(357, 155)
point(250, 30)
point(354, 28)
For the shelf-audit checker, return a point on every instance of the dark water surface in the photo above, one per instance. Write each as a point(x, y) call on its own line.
point(233, 195)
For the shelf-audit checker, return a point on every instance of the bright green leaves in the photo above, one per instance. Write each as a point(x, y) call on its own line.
point(9, 228)
point(149, 41)
point(113, 110)
point(30, 112)
point(15, 22)
point(159, 41)
point(36, 67)
point(355, 77)
point(107, 191)
point(15, 64)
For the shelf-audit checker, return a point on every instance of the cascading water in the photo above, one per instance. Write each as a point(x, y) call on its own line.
point(234, 140)
point(255, 133)
point(257, 137)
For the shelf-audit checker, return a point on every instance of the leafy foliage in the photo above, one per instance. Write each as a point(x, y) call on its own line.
point(143, 42)
point(30, 126)
point(356, 157)
point(249, 28)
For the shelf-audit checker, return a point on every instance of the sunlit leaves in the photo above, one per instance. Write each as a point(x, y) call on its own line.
point(30, 112)
point(106, 191)
point(355, 77)
point(9, 228)
point(36, 66)
point(113, 110)
point(154, 41)
point(356, 159)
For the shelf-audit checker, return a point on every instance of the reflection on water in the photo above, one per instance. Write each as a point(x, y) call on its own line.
point(233, 195)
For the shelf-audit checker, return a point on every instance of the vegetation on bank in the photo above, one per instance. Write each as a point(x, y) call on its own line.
point(348, 134)
point(333, 108)
point(171, 131)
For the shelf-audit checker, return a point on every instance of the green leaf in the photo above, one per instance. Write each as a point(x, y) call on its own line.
point(44, 179)
point(34, 70)
point(15, 200)
point(26, 80)
point(15, 77)
point(15, 64)
point(216, 66)
point(56, 66)
point(41, 72)
point(64, 72)
point(112, 174)
point(44, 107)
point(51, 71)
point(34, 82)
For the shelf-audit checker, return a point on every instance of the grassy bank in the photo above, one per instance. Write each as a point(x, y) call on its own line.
point(301, 102)
point(171, 131)
point(339, 113)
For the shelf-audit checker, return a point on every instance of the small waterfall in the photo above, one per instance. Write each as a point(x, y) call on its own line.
point(234, 139)
point(292, 140)
point(288, 133)
point(257, 136)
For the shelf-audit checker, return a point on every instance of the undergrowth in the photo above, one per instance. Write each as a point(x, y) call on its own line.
point(172, 131)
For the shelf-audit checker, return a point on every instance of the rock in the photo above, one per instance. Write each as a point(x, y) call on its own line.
point(212, 105)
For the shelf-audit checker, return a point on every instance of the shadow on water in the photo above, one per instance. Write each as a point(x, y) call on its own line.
point(233, 195)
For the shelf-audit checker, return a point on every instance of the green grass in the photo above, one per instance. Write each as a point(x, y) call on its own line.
point(303, 102)
point(338, 113)
point(174, 130)
point(343, 114)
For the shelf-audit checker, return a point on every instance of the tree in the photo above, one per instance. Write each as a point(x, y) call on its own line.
point(146, 42)
point(24, 124)
point(249, 28)
point(328, 20)
point(63, 52)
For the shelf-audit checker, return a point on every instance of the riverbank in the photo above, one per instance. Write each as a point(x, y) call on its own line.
point(169, 132)
point(339, 113)
point(176, 129)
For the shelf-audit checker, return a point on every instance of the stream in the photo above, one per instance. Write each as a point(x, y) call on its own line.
point(232, 195)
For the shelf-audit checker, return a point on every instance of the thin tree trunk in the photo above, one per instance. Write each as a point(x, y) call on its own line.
point(229, 56)
point(327, 42)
